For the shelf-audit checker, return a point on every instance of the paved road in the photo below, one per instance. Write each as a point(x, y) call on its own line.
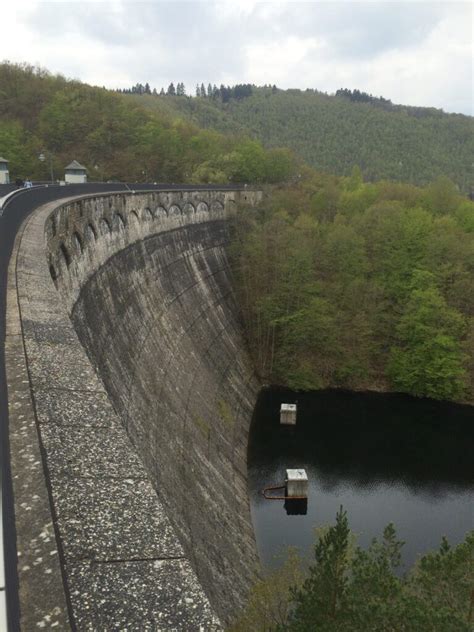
point(6, 188)
point(14, 212)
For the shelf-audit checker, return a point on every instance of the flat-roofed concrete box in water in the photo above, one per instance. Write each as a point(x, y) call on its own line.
point(296, 483)
point(288, 414)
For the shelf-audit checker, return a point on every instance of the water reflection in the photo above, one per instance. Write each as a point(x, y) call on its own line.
point(296, 507)
point(386, 458)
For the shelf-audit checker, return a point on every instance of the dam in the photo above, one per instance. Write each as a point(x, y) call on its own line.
point(130, 397)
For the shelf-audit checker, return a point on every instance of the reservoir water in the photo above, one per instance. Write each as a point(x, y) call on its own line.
point(385, 458)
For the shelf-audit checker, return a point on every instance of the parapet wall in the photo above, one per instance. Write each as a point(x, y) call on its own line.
point(143, 443)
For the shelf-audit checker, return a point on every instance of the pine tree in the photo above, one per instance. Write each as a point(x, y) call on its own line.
point(323, 594)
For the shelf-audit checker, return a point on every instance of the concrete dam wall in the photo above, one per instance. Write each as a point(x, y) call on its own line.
point(141, 399)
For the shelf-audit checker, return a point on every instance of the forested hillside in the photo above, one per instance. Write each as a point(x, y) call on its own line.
point(360, 286)
point(144, 135)
point(342, 282)
point(116, 139)
point(334, 133)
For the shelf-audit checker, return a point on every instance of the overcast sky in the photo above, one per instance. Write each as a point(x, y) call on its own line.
point(417, 53)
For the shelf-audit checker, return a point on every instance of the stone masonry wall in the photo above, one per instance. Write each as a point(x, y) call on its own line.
point(145, 279)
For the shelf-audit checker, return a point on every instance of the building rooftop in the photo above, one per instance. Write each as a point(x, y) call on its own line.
point(3, 159)
point(75, 165)
point(296, 475)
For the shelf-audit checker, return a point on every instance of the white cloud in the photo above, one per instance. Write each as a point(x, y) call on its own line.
point(411, 52)
point(418, 53)
point(280, 62)
point(437, 71)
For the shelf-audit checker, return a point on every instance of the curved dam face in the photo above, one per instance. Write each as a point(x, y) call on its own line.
point(146, 283)
point(159, 322)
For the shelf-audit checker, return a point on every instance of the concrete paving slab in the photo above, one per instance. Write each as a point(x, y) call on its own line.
point(60, 365)
point(92, 452)
point(59, 332)
point(147, 596)
point(74, 408)
point(107, 519)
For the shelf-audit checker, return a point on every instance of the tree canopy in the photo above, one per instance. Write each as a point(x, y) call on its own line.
point(334, 132)
point(119, 140)
point(358, 285)
point(350, 589)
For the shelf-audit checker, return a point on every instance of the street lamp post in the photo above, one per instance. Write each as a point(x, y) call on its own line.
point(42, 157)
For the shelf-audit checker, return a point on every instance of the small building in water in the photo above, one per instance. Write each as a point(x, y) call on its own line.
point(288, 414)
point(296, 483)
point(4, 173)
point(75, 173)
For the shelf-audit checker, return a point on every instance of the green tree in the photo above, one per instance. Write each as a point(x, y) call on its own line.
point(442, 196)
point(269, 602)
point(356, 180)
point(279, 165)
point(207, 172)
point(325, 202)
point(465, 216)
point(351, 589)
point(18, 147)
point(357, 590)
point(308, 345)
point(246, 163)
point(375, 589)
point(396, 239)
point(428, 359)
point(323, 596)
point(443, 581)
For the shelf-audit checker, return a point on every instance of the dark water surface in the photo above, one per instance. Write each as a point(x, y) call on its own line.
point(385, 458)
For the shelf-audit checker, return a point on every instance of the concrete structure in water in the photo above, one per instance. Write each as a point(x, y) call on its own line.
point(296, 483)
point(130, 398)
point(288, 414)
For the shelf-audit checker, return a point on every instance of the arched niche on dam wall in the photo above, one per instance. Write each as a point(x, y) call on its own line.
point(145, 281)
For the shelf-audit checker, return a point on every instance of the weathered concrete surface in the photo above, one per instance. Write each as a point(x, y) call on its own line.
point(146, 480)
point(40, 579)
